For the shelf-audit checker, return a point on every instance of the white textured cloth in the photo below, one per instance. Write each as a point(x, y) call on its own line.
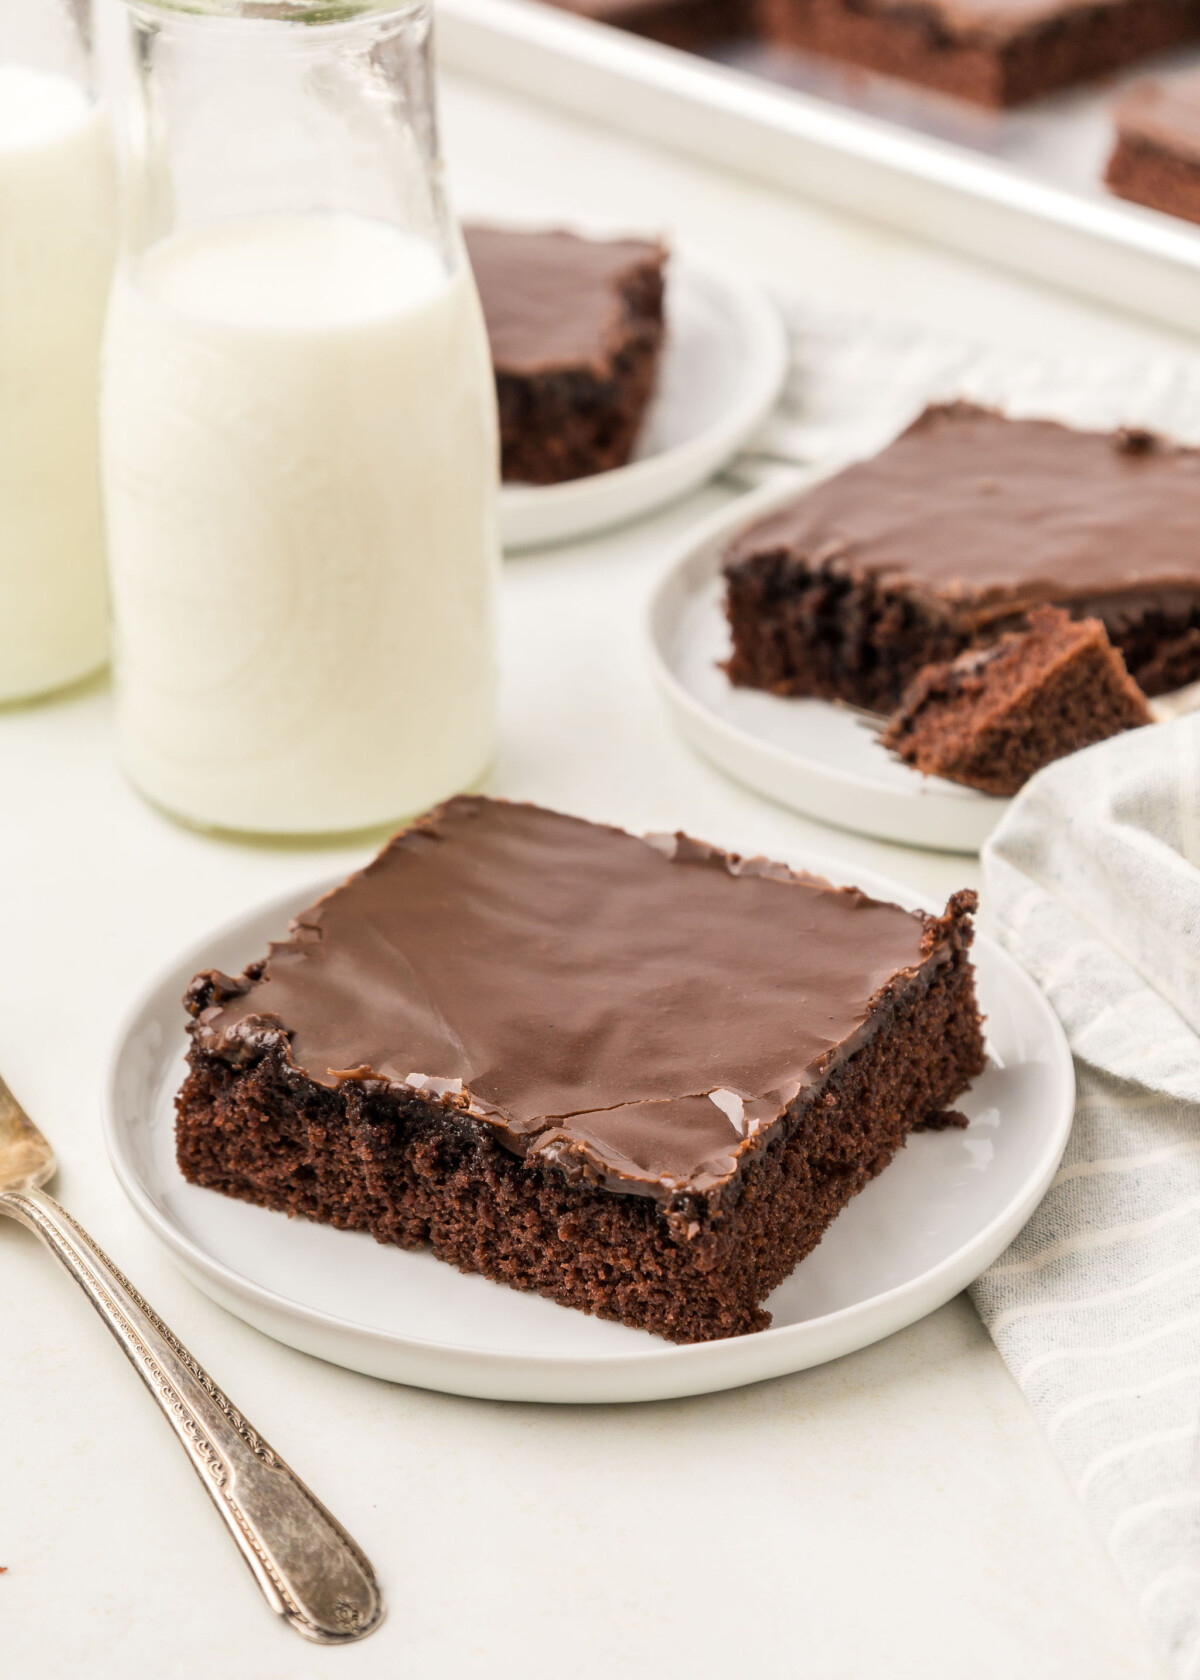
point(1093, 882)
point(857, 380)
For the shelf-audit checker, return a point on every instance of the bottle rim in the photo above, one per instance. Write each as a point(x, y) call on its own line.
point(278, 11)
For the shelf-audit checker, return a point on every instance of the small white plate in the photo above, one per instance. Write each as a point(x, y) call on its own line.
point(940, 1213)
point(724, 362)
point(811, 755)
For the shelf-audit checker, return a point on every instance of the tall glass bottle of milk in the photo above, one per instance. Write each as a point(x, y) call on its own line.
point(298, 425)
point(57, 230)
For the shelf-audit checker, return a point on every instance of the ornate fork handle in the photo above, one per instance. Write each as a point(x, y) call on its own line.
point(309, 1569)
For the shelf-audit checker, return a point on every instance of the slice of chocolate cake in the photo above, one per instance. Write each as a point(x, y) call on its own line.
point(995, 716)
point(638, 1076)
point(950, 536)
point(576, 329)
point(994, 52)
point(1156, 160)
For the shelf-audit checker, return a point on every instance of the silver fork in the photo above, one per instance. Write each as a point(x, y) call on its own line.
point(309, 1569)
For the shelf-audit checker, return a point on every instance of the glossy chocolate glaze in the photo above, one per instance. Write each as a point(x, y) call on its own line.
point(551, 298)
point(637, 1011)
point(983, 516)
point(1164, 114)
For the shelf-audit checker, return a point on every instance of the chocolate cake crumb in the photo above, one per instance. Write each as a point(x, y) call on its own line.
point(950, 1120)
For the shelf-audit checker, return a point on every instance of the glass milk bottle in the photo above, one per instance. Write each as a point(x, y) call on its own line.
point(298, 425)
point(57, 230)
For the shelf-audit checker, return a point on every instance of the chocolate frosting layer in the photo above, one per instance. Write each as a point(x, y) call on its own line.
point(550, 297)
point(639, 1011)
point(985, 515)
point(1164, 114)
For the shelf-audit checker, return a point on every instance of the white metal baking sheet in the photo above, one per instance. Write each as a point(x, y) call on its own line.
point(1019, 188)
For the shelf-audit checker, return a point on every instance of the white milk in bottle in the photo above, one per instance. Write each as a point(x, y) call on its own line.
point(56, 250)
point(299, 445)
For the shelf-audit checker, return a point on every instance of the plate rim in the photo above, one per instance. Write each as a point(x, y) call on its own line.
point(688, 464)
point(695, 554)
point(692, 1368)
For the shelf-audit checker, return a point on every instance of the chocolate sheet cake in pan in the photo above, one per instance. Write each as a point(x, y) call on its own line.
point(639, 1076)
point(1156, 159)
point(994, 52)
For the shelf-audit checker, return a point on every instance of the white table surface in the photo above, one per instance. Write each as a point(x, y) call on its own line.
point(893, 1516)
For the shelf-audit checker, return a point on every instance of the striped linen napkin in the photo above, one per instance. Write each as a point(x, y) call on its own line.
point(1092, 881)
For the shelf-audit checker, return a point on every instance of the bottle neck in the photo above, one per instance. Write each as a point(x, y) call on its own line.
point(237, 110)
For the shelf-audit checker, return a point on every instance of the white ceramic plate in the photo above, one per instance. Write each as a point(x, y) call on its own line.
point(808, 754)
point(723, 366)
point(942, 1212)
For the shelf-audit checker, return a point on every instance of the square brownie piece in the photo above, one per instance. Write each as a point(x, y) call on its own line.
point(639, 1076)
point(576, 330)
point(1156, 159)
point(995, 716)
point(994, 52)
point(950, 536)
